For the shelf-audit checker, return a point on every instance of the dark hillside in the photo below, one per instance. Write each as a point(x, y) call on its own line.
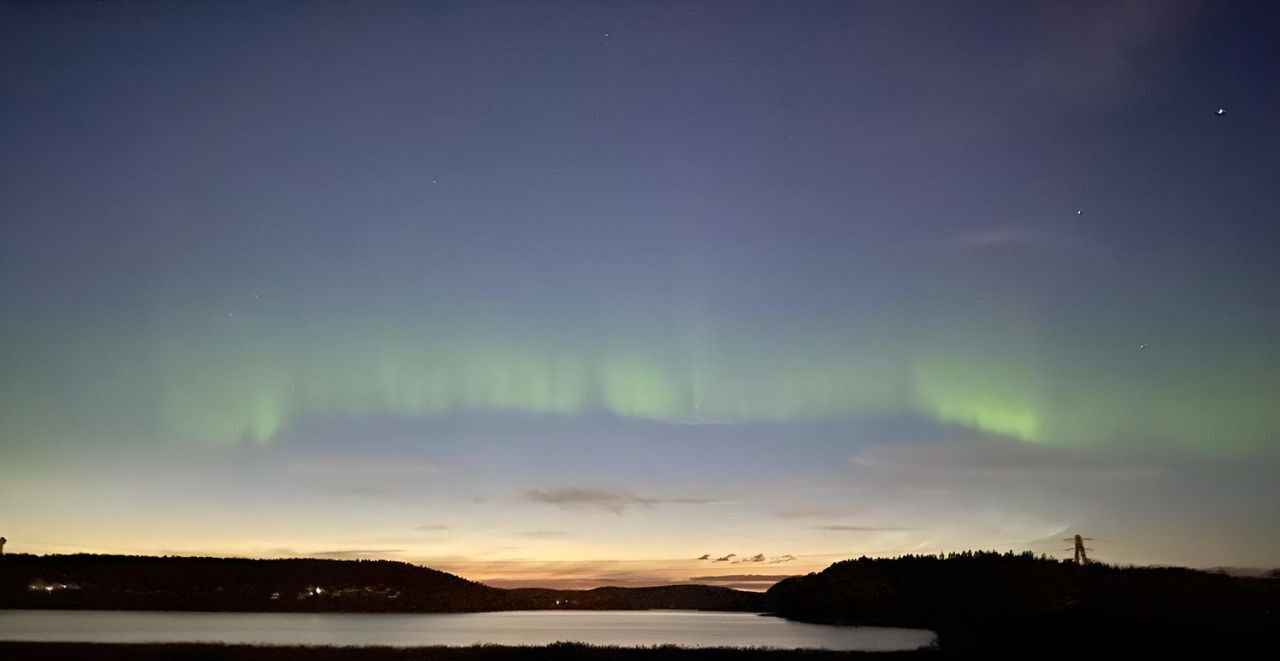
point(217, 584)
point(976, 600)
point(307, 585)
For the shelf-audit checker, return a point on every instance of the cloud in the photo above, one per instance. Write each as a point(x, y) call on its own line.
point(290, 552)
point(543, 534)
point(989, 237)
point(613, 501)
point(1059, 238)
point(432, 528)
point(757, 558)
point(864, 528)
point(688, 501)
point(705, 556)
point(354, 553)
point(609, 501)
point(1100, 53)
point(357, 467)
point(995, 455)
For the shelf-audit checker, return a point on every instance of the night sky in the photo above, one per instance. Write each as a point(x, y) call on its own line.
point(575, 293)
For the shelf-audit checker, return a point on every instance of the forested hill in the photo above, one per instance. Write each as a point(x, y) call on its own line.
point(977, 599)
point(182, 583)
point(306, 585)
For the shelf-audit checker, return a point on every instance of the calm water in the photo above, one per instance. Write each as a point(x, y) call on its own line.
point(627, 628)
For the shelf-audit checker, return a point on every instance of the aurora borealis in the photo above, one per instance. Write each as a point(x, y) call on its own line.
point(582, 291)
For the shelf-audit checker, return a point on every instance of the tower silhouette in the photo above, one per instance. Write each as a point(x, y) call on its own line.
point(1081, 557)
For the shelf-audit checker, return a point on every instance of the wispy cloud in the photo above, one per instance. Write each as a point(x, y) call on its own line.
point(760, 557)
point(613, 501)
point(735, 559)
point(348, 554)
point(355, 466)
point(864, 528)
point(1037, 238)
point(543, 534)
point(989, 454)
point(1101, 53)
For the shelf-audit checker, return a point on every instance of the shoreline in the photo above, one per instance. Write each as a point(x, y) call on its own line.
point(566, 651)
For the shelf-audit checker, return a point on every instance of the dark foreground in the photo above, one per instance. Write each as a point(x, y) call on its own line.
point(557, 652)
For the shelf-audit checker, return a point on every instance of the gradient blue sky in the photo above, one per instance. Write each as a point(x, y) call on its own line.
point(575, 293)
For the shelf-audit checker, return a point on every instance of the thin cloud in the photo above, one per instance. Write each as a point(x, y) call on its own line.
point(432, 528)
point(1026, 237)
point(995, 455)
point(688, 501)
point(348, 466)
point(355, 553)
point(1100, 54)
point(612, 501)
point(864, 528)
point(735, 559)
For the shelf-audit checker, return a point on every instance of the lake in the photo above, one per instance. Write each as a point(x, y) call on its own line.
point(624, 628)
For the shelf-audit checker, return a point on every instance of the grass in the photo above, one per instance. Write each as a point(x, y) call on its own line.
point(556, 652)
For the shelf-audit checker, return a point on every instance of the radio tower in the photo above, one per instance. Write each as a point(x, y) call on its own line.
point(1082, 558)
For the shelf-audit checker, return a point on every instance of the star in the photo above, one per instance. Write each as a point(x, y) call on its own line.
point(1221, 111)
point(1142, 346)
point(1079, 212)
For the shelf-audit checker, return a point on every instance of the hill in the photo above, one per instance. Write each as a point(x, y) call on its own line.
point(235, 584)
point(86, 581)
point(984, 600)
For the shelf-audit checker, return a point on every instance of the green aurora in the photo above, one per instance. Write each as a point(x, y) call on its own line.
point(246, 379)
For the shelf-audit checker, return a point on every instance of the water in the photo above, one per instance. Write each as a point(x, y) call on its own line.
point(625, 628)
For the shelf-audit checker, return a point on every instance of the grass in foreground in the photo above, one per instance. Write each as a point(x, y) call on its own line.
point(556, 652)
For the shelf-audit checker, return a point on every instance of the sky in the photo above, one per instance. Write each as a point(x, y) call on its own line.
point(627, 293)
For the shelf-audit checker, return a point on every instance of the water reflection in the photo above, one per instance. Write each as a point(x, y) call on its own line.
point(625, 628)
